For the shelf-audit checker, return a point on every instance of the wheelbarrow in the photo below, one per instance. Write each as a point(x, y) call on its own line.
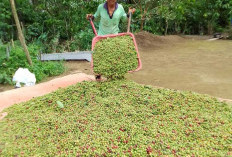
point(97, 38)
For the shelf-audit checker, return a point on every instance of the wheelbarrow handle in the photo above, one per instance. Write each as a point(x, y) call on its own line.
point(93, 27)
point(129, 22)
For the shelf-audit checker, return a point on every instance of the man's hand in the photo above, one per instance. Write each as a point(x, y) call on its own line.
point(131, 10)
point(88, 16)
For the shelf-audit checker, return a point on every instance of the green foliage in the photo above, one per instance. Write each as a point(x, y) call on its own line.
point(114, 57)
point(66, 21)
point(17, 59)
point(117, 118)
point(5, 20)
point(83, 39)
point(2, 51)
point(187, 17)
point(5, 79)
point(61, 25)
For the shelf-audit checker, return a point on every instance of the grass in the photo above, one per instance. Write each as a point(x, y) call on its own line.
point(117, 118)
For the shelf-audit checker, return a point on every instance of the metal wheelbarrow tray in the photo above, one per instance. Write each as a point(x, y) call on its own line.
point(97, 38)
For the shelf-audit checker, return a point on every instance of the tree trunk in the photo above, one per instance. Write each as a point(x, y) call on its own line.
point(185, 27)
point(12, 43)
point(166, 29)
point(23, 29)
point(176, 31)
point(143, 18)
point(141, 25)
point(20, 34)
point(210, 28)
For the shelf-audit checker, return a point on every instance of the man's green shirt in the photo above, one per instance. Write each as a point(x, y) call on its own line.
point(109, 25)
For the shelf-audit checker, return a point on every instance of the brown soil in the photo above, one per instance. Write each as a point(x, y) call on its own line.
point(186, 63)
point(148, 41)
point(5, 87)
point(73, 67)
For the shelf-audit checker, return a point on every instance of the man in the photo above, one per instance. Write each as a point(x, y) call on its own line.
point(110, 14)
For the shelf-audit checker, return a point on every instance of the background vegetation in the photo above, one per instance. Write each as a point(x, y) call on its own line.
point(60, 25)
point(9, 65)
point(115, 117)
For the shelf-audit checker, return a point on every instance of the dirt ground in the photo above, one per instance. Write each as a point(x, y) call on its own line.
point(189, 63)
point(186, 63)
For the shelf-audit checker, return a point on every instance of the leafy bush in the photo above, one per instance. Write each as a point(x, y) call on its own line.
point(44, 20)
point(2, 51)
point(5, 79)
point(83, 39)
point(18, 59)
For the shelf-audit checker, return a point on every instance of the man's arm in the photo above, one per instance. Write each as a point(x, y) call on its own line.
point(124, 15)
point(96, 15)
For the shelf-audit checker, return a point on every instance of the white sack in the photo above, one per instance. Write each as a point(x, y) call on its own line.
point(23, 75)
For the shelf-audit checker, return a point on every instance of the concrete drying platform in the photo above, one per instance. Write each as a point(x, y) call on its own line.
point(84, 55)
point(23, 94)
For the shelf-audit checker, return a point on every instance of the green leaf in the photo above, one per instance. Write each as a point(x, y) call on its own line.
point(60, 104)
